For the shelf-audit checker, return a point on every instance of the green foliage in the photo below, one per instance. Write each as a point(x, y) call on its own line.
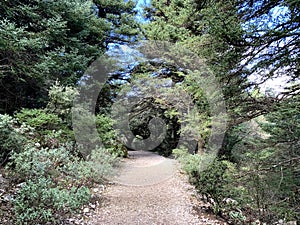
point(61, 100)
point(282, 146)
point(215, 181)
point(47, 129)
point(41, 201)
point(39, 119)
point(108, 135)
point(60, 165)
point(54, 123)
point(98, 167)
point(191, 163)
point(10, 140)
point(33, 162)
point(56, 182)
point(54, 40)
point(90, 137)
point(51, 41)
point(55, 179)
point(266, 150)
point(283, 124)
point(105, 129)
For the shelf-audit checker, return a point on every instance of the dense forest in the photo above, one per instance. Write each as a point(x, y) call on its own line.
point(213, 83)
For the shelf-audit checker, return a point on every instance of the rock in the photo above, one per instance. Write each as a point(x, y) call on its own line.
point(257, 222)
point(95, 190)
point(37, 145)
point(20, 185)
point(230, 201)
point(7, 198)
point(2, 192)
point(291, 223)
point(98, 190)
point(86, 210)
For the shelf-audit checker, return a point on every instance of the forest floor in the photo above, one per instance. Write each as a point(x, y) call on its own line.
point(150, 189)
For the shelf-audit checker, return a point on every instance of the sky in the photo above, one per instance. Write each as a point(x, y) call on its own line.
point(139, 8)
point(277, 84)
point(278, 13)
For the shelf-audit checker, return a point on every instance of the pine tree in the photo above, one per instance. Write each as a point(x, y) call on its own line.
point(45, 41)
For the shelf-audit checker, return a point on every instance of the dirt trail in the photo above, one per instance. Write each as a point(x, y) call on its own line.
point(150, 190)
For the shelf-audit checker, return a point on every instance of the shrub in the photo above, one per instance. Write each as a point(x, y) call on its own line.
point(33, 163)
point(108, 135)
point(105, 129)
point(214, 180)
point(41, 201)
point(48, 127)
point(61, 101)
point(10, 140)
point(39, 119)
point(96, 168)
point(56, 182)
point(216, 183)
point(61, 166)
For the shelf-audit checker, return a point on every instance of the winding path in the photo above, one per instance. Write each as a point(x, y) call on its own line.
point(150, 190)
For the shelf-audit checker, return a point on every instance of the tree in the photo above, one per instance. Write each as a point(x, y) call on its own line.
point(238, 42)
point(247, 43)
point(45, 41)
point(198, 26)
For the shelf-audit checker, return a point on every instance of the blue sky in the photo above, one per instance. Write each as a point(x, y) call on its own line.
point(139, 7)
point(268, 21)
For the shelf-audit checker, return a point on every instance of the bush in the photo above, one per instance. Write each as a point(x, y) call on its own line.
point(216, 183)
point(96, 168)
point(49, 129)
point(108, 136)
point(61, 166)
point(56, 182)
point(41, 201)
point(214, 180)
point(39, 119)
point(189, 162)
point(33, 163)
point(61, 101)
point(10, 140)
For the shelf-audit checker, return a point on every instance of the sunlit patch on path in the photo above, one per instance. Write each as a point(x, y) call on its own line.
point(144, 168)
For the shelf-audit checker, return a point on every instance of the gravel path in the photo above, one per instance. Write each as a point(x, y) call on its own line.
point(150, 190)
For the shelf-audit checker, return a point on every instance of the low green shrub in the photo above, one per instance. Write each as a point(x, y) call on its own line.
point(56, 181)
point(189, 162)
point(34, 162)
point(108, 135)
point(215, 182)
point(10, 140)
point(96, 168)
point(41, 201)
point(61, 101)
point(39, 119)
point(61, 166)
point(49, 129)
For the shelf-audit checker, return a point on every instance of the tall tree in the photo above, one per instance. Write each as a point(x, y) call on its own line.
point(44, 41)
point(240, 40)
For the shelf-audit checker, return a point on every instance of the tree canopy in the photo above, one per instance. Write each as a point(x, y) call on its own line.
point(45, 41)
point(233, 48)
